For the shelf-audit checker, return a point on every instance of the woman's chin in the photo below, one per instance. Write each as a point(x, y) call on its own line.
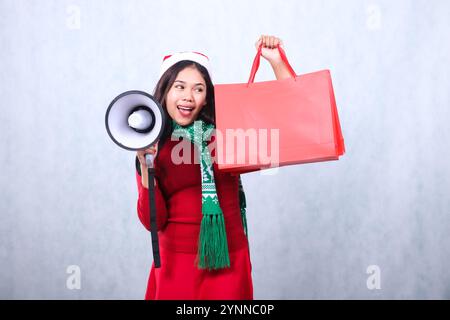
point(183, 122)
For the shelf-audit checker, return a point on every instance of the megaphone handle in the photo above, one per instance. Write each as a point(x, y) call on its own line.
point(149, 158)
point(153, 224)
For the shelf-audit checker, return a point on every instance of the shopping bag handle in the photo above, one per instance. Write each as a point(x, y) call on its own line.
point(257, 59)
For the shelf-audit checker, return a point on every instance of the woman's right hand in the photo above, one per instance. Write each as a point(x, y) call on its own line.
point(141, 156)
point(151, 150)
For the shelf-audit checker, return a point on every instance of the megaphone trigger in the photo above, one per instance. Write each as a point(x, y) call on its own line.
point(149, 158)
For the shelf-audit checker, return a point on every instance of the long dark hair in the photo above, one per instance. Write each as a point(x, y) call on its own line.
point(164, 84)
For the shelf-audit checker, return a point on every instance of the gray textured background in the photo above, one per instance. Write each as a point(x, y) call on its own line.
point(68, 194)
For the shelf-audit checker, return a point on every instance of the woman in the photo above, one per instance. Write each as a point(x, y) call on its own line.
point(200, 211)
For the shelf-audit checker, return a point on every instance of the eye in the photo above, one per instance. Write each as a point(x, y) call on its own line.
point(179, 86)
point(200, 90)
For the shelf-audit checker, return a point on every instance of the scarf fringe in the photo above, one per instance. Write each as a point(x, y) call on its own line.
point(244, 221)
point(213, 246)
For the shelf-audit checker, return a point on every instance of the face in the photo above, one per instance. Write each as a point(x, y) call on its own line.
point(187, 96)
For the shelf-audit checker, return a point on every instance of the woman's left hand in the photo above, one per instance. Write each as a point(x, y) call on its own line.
point(269, 49)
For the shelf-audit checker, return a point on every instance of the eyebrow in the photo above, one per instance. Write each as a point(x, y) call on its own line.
point(201, 84)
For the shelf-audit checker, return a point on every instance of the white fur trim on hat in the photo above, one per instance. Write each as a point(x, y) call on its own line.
point(170, 60)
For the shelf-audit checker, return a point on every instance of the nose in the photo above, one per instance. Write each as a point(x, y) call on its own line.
point(188, 97)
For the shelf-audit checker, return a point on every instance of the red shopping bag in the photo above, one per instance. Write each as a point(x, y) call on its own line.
point(276, 123)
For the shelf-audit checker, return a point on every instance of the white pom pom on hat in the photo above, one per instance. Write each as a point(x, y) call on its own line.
point(172, 59)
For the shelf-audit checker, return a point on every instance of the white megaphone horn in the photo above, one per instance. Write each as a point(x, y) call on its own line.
point(134, 121)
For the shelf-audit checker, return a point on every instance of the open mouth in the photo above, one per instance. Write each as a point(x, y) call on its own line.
point(185, 111)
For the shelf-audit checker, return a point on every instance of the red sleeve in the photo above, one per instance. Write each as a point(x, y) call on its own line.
point(143, 209)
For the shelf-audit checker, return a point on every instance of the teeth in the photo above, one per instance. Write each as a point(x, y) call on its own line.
point(184, 108)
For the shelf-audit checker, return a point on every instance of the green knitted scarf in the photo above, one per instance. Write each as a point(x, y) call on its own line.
point(212, 244)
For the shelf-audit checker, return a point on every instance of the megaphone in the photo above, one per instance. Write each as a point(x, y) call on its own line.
point(135, 121)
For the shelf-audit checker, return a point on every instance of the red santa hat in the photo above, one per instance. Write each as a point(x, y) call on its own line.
point(171, 59)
